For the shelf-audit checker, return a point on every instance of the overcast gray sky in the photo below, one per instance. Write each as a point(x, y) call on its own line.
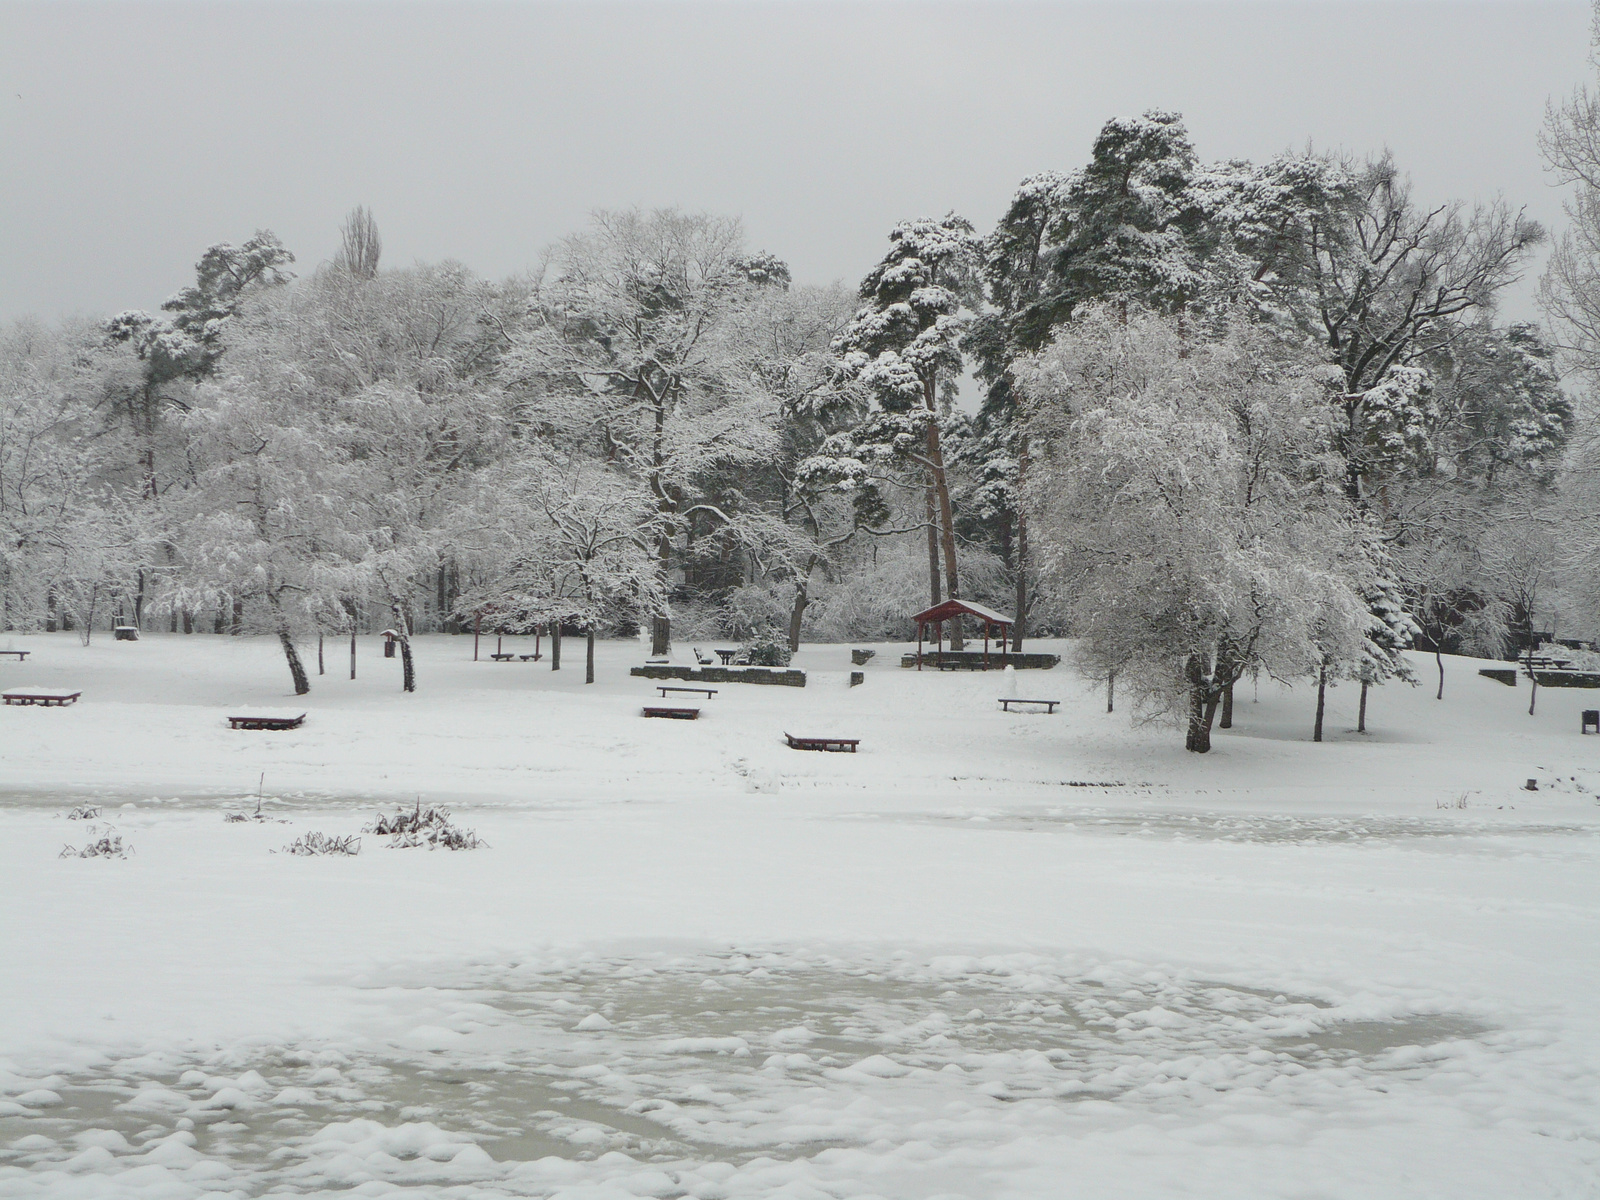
point(135, 134)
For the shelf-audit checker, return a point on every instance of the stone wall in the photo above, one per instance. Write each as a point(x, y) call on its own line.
point(974, 659)
point(698, 675)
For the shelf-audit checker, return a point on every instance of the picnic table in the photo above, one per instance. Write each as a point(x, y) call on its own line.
point(831, 744)
point(676, 714)
point(49, 697)
point(707, 692)
point(19, 655)
point(726, 655)
point(1545, 662)
point(266, 721)
point(1050, 705)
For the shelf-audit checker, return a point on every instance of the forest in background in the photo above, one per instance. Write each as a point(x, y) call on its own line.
point(1233, 418)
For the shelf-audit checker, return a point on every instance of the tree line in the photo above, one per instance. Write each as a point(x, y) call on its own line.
point(1233, 419)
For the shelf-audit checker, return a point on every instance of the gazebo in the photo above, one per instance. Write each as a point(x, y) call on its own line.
point(993, 622)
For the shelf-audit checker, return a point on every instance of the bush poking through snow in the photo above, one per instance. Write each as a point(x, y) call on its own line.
point(428, 827)
point(85, 812)
point(322, 843)
point(104, 843)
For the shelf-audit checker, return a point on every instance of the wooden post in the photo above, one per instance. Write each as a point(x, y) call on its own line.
point(921, 629)
point(986, 645)
point(352, 648)
point(320, 671)
point(477, 625)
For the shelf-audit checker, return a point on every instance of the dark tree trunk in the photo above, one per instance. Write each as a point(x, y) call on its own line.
point(1204, 696)
point(1019, 627)
point(1322, 701)
point(1227, 708)
point(1361, 712)
point(555, 645)
point(660, 637)
point(947, 521)
point(1438, 658)
point(1111, 691)
point(1533, 698)
point(402, 630)
point(802, 597)
point(1202, 708)
point(588, 657)
point(933, 551)
point(188, 621)
point(320, 670)
point(297, 669)
point(238, 618)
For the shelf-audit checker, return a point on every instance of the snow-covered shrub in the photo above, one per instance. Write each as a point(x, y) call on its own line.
point(430, 827)
point(322, 843)
point(104, 843)
point(767, 649)
point(84, 812)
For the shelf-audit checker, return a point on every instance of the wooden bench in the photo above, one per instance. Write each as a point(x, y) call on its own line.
point(676, 714)
point(706, 692)
point(530, 657)
point(19, 655)
point(49, 697)
point(1050, 705)
point(504, 657)
point(1541, 662)
point(833, 745)
point(266, 722)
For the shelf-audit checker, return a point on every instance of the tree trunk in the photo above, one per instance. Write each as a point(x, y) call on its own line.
point(297, 669)
point(188, 621)
point(1361, 713)
point(238, 617)
point(933, 547)
point(1322, 701)
point(1439, 659)
point(802, 597)
point(402, 634)
point(320, 670)
point(352, 649)
point(947, 521)
point(1534, 697)
point(661, 624)
point(588, 658)
point(555, 645)
point(1111, 691)
point(1201, 709)
point(1227, 708)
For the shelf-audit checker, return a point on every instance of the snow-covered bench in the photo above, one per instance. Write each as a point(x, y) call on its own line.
point(267, 721)
point(49, 697)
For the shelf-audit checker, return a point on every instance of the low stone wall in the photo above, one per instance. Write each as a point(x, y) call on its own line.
point(973, 659)
point(1567, 679)
point(1505, 675)
point(777, 675)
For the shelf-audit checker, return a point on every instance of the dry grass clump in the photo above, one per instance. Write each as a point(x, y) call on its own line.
point(104, 843)
point(418, 826)
point(322, 843)
point(85, 812)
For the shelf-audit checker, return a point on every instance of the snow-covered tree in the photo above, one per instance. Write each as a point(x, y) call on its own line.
point(902, 343)
point(620, 356)
point(1186, 498)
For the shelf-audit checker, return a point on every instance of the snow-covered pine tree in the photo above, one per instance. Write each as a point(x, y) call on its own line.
point(903, 342)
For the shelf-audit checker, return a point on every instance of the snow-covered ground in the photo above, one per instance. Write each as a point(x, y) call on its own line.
point(989, 956)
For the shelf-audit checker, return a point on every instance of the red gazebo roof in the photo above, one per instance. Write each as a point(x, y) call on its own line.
point(956, 608)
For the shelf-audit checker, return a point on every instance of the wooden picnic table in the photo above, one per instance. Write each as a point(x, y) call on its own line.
point(676, 714)
point(726, 655)
point(707, 692)
point(1050, 705)
point(831, 744)
point(49, 697)
point(19, 655)
point(266, 721)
